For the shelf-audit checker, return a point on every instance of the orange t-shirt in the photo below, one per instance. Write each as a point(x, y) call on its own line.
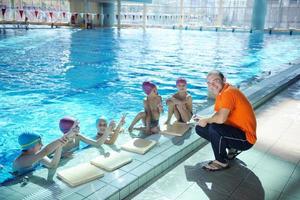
point(241, 112)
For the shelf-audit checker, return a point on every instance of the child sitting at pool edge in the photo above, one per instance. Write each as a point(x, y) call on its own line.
point(152, 109)
point(180, 104)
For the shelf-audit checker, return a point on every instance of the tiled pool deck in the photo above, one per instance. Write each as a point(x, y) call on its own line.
point(144, 168)
point(270, 170)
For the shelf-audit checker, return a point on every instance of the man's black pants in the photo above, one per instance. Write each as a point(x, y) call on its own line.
point(223, 136)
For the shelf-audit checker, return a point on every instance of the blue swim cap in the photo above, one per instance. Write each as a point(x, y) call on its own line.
point(28, 140)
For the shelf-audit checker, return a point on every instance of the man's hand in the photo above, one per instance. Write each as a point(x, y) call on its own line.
point(202, 122)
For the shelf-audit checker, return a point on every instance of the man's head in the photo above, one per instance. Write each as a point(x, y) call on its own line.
point(215, 81)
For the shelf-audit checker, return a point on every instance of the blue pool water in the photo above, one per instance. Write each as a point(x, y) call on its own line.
point(47, 74)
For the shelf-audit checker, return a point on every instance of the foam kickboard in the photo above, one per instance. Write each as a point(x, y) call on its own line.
point(176, 129)
point(80, 174)
point(138, 145)
point(113, 161)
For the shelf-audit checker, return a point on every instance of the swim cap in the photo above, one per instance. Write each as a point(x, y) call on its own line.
point(28, 140)
point(181, 80)
point(148, 86)
point(66, 123)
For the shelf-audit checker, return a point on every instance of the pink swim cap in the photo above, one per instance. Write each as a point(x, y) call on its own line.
point(66, 123)
point(181, 80)
point(148, 86)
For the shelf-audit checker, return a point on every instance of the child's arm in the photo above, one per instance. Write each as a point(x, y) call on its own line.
point(190, 103)
point(97, 142)
point(176, 101)
point(92, 142)
point(50, 148)
point(77, 140)
point(88, 140)
point(116, 132)
point(160, 107)
point(148, 115)
point(52, 163)
point(120, 124)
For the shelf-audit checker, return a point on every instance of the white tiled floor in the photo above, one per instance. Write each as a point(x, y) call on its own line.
point(270, 170)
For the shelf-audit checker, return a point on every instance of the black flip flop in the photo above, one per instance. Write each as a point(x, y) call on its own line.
point(233, 155)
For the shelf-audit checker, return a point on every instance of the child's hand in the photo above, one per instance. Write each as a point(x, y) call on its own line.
point(73, 131)
point(122, 121)
point(70, 135)
point(64, 140)
point(112, 124)
point(160, 108)
point(76, 129)
point(169, 100)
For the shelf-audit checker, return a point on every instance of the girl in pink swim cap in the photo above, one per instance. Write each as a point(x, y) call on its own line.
point(152, 109)
point(180, 104)
point(69, 126)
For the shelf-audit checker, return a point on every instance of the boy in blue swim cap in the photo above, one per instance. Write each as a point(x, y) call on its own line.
point(33, 154)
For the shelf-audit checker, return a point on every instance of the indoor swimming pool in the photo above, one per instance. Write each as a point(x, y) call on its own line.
point(49, 73)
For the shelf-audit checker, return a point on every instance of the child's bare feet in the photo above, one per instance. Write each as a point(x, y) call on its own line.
point(155, 130)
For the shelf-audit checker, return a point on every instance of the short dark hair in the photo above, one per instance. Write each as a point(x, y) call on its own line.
point(217, 72)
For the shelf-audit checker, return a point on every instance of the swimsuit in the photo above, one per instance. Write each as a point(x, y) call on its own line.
point(154, 123)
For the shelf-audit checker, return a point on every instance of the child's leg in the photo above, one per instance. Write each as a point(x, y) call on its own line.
point(184, 113)
point(155, 129)
point(138, 117)
point(177, 113)
point(171, 107)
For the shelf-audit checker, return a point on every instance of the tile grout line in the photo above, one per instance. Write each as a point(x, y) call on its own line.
point(244, 179)
point(281, 193)
point(265, 154)
point(170, 168)
point(184, 190)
